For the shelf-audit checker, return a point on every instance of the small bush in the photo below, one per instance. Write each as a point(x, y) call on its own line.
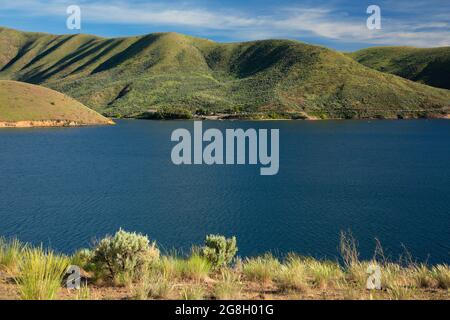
point(124, 253)
point(40, 274)
point(219, 251)
point(83, 259)
point(262, 269)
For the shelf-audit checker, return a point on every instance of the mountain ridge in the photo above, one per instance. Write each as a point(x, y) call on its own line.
point(430, 66)
point(126, 77)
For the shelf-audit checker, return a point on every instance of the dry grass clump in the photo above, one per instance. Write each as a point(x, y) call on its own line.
point(324, 273)
point(40, 273)
point(193, 292)
point(84, 293)
point(441, 273)
point(196, 267)
point(292, 275)
point(400, 292)
point(261, 269)
point(10, 253)
point(421, 276)
point(229, 287)
point(152, 282)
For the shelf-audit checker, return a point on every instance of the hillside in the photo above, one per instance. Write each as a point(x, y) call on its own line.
point(126, 77)
point(27, 105)
point(428, 66)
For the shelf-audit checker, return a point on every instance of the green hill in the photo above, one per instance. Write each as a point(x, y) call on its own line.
point(126, 77)
point(428, 66)
point(26, 105)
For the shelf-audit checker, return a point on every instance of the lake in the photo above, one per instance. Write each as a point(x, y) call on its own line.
point(390, 180)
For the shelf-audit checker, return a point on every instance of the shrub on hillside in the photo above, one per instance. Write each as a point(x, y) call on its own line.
point(219, 251)
point(124, 253)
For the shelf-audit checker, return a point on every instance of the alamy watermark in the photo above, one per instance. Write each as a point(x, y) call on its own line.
point(374, 20)
point(374, 279)
point(73, 21)
point(191, 150)
point(73, 280)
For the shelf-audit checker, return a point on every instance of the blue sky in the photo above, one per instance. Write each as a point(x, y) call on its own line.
point(340, 24)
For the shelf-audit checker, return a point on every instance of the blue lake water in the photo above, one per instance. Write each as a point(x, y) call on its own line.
point(64, 187)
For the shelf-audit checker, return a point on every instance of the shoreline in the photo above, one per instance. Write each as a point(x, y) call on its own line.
point(49, 124)
point(70, 123)
point(309, 118)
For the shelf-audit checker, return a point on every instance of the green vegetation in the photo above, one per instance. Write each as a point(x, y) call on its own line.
point(10, 251)
point(261, 269)
point(124, 254)
point(219, 251)
point(22, 102)
point(429, 66)
point(40, 273)
point(196, 268)
point(229, 286)
point(193, 292)
point(178, 75)
point(35, 273)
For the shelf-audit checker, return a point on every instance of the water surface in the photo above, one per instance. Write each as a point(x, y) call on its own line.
point(64, 187)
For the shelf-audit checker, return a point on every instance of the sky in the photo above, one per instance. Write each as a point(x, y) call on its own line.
point(339, 24)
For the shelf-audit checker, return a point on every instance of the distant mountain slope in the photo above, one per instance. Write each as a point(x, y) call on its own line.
point(428, 66)
point(23, 104)
point(125, 77)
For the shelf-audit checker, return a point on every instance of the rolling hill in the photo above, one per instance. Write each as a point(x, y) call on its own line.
point(27, 105)
point(428, 66)
point(126, 77)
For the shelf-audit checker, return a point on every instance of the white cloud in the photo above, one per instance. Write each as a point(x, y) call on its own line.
point(296, 22)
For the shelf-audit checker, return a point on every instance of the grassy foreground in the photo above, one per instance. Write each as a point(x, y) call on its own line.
point(129, 266)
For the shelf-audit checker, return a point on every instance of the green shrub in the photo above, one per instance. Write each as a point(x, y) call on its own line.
point(40, 274)
point(124, 253)
point(83, 259)
point(219, 251)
